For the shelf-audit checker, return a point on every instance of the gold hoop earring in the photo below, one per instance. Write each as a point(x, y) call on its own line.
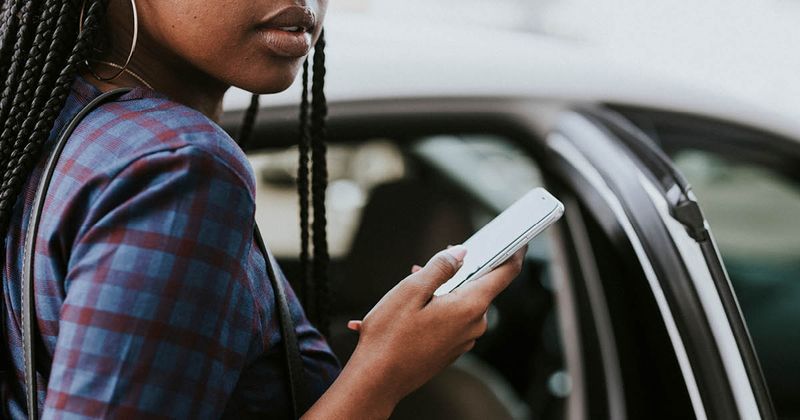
point(124, 67)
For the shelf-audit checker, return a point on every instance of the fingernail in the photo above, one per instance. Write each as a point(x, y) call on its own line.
point(458, 252)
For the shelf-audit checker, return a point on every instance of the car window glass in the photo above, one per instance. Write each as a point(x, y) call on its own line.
point(733, 193)
point(497, 172)
point(353, 172)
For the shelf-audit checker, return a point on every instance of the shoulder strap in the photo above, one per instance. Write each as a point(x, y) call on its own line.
point(28, 309)
point(294, 364)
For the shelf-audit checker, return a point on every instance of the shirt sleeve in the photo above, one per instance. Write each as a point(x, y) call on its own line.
point(158, 316)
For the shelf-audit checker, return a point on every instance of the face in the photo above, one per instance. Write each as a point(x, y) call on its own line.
point(257, 45)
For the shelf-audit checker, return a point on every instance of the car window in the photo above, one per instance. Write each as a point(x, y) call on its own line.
point(753, 213)
point(353, 172)
point(391, 205)
point(734, 192)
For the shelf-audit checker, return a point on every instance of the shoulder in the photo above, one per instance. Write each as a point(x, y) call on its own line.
point(121, 133)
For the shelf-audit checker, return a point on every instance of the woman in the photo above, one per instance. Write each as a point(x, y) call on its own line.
point(151, 299)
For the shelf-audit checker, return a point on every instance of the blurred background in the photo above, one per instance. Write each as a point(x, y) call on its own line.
point(722, 52)
point(714, 84)
point(743, 47)
point(746, 48)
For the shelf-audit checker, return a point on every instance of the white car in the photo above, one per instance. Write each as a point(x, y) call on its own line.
point(625, 308)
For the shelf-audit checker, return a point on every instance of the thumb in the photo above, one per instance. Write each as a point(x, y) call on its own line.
point(441, 267)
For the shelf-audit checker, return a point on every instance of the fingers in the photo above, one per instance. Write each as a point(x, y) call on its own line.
point(469, 345)
point(479, 329)
point(439, 269)
point(486, 288)
point(354, 325)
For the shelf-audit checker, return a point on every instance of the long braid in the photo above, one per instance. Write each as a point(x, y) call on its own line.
point(305, 285)
point(37, 82)
point(15, 62)
point(319, 183)
point(246, 130)
point(312, 287)
point(8, 27)
point(25, 152)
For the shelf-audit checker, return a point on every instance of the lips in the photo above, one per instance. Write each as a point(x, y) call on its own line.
point(287, 33)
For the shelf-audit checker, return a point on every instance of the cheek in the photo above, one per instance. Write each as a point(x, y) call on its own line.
point(219, 42)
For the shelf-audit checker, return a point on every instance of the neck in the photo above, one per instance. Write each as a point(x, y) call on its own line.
point(195, 92)
point(167, 75)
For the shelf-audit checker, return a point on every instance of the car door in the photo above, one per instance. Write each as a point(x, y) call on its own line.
point(664, 336)
point(747, 174)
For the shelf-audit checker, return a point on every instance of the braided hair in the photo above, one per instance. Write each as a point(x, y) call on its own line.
point(40, 50)
point(312, 287)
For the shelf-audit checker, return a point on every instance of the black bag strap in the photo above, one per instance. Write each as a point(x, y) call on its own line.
point(294, 363)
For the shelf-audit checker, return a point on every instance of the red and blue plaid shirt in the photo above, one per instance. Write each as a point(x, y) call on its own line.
point(152, 297)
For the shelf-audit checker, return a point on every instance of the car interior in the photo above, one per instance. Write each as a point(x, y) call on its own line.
point(392, 205)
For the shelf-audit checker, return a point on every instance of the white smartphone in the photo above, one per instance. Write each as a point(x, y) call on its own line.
point(505, 235)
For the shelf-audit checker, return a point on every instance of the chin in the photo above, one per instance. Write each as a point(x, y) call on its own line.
point(274, 79)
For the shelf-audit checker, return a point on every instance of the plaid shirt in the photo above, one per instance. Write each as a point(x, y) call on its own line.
point(152, 297)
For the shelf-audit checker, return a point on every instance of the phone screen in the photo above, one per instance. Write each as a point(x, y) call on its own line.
point(504, 235)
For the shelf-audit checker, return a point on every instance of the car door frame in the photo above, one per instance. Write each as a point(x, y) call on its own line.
point(662, 219)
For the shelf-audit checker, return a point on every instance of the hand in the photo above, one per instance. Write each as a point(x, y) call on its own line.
point(355, 324)
point(410, 335)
